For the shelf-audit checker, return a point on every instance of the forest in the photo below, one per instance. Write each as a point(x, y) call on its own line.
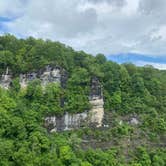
point(129, 91)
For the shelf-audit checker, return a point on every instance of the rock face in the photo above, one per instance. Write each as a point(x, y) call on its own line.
point(97, 112)
point(72, 121)
point(26, 78)
point(97, 102)
point(5, 79)
point(67, 121)
point(46, 75)
point(134, 121)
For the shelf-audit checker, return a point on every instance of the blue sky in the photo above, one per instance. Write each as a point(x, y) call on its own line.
point(3, 21)
point(123, 30)
point(140, 60)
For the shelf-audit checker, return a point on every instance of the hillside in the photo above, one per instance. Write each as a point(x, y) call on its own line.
point(133, 128)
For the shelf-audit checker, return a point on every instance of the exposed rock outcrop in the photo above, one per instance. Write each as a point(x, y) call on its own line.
point(67, 121)
point(97, 102)
point(97, 111)
point(92, 117)
point(26, 78)
point(46, 75)
point(5, 79)
point(134, 120)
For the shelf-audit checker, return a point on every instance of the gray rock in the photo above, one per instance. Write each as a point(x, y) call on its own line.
point(73, 121)
point(5, 79)
point(134, 121)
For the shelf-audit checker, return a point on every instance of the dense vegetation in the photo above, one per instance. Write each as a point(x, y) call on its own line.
point(128, 90)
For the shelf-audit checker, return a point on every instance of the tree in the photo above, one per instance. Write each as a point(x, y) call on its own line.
point(34, 90)
point(100, 58)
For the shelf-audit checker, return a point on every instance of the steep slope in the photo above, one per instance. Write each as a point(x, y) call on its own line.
point(47, 85)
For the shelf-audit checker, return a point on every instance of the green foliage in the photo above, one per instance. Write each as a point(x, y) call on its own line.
point(52, 98)
point(34, 90)
point(128, 90)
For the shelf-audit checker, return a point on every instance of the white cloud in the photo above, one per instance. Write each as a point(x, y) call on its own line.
point(11, 8)
point(106, 26)
point(159, 34)
point(161, 66)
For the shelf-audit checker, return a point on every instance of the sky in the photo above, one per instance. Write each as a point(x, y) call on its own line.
point(123, 30)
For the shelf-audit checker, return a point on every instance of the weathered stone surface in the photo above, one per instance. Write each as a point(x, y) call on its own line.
point(72, 121)
point(97, 102)
point(5, 79)
point(67, 121)
point(50, 74)
point(26, 78)
point(134, 121)
point(97, 111)
point(96, 89)
point(46, 75)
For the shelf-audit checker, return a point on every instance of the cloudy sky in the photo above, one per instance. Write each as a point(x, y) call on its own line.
point(131, 30)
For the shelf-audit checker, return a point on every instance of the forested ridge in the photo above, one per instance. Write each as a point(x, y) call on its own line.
point(129, 91)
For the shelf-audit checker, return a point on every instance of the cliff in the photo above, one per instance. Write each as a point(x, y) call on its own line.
point(92, 117)
point(54, 74)
point(5, 79)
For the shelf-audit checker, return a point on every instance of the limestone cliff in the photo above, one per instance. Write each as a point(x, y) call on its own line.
point(97, 102)
point(46, 75)
point(67, 121)
point(97, 111)
point(91, 117)
point(5, 79)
